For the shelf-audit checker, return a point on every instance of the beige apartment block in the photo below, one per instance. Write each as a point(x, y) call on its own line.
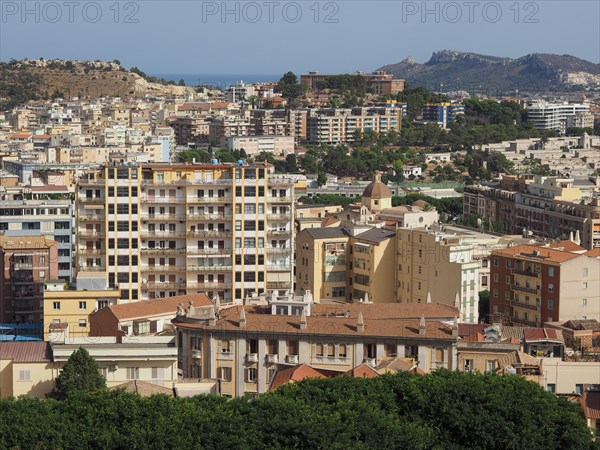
point(247, 345)
point(160, 230)
point(435, 264)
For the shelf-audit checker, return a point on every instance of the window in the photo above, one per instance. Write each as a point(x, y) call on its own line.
point(468, 365)
point(224, 373)
point(82, 305)
point(104, 372)
point(550, 304)
point(584, 285)
point(331, 350)
point(584, 301)
point(56, 306)
point(490, 366)
point(585, 272)
point(24, 375)
point(551, 387)
point(342, 350)
point(495, 293)
point(508, 263)
point(579, 389)
point(225, 348)
point(496, 261)
point(251, 375)
point(133, 373)
point(158, 373)
point(550, 271)
point(550, 287)
point(271, 374)
point(318, 349)
point(82, 323)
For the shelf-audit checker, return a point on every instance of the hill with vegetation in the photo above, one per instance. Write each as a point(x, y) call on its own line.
point(535, 73)
point(21, 81)
point(443, 410)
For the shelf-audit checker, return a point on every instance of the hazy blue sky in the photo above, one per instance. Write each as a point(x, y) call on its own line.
point(176, 37)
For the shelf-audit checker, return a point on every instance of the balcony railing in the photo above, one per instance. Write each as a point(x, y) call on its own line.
point(209, 285)
point(272, 358)
point(291, 359)
point(92, 268)
point(278, 250)
point(90, 218)
point(22, 266)
point(196, 354)
point(251, 357)
point(162, 234)
point(531, 323)
point(202, 200)
point(527, 273)
point(162, 200)
point(162, 286)
point(533, 307)
point(279, 284)
point(90, 234)
point(92, 200)
point(280, 200)
point(92, 251)
point(280, 216)
point(208, 217)
point(279, 232)
point(163, 251)
point(524, 289)
point(371, 361)
point(162, 217)
point(279, 268)
point(209, 233)
point(210, 268)
point(165, 268)
point(209, 251)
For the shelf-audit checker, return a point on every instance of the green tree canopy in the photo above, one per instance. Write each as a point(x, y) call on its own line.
point(80, 373)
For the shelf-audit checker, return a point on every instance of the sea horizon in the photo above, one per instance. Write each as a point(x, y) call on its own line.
point(217, 80)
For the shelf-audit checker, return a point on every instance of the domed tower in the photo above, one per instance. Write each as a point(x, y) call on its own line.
point(377, 196)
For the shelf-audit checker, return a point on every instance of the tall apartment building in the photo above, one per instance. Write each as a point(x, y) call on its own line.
point(554, 116)
point(549, 207)
point(442, 113)
point(246, 345)
point(26, 263)
point(440, 265)
point(161, 230)
point(532, 285)
point(52, 219)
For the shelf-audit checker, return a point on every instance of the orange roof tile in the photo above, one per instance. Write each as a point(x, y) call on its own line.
point(329, 221)
point(143, 388)
point(158, 307)
point(591, 404)
point(25, 351)
point(567, 246)
point(363, 371)
point(594, 253)
point(293, 374)
point(543, 253)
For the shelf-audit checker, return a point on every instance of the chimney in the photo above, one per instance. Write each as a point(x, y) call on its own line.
point(242, 317)
point(428, 297)
point(455, 327)
point(360, 326)
point(303, 320)
point(422, 326)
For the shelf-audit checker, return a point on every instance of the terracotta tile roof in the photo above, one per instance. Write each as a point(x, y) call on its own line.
point(399, 364)
point(25, 242)
point(591, 404)
point(517, 357)
point(19, 136)
point(393, 320)
point(25, 351)
point(158, 307)
point(293, 374)
point(363, 371)
point(329, 221)
point(143, 388)
point(595, 253)
point(567, 246)
point(544, 254)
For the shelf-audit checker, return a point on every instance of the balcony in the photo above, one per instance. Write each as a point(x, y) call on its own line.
point(225, 355)
point(91, 200)
point(280, 200)
point(196, 354)
point(280, 216)
point(371, 361)
point(251, 357)
point(279, 284)
point(209, 285)
point(161, 200)
point(208, 217)
point(272, 358)
point(209, 251)
point(279, 268)
point(209, 233)
point(161, 217)
point(291, 359)
point(92, 268)
point(162, 234)
point(91, 234)
point(91, 251)
point(203, 200)
point(279, 232)
point(528, 322)
point(527, 273)
point(529, 290)
point(533, 307)
point(439, 365)
point(23, 266)
point(90, 218)
point(210, 268)
point(162, 268)
point(278, 250)
point(161, 286)
point(162, 251)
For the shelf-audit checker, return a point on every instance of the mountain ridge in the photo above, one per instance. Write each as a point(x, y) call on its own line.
point(535, 72)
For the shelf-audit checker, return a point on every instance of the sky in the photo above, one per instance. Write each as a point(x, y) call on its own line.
point(272, 36)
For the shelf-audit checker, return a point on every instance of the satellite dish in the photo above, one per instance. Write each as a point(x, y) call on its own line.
point(479, 222)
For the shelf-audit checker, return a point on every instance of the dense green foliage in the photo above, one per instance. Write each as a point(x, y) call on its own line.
point(81, 373)
point(17, 85)
point(444, 410)
point(290, 88)
point(151, 79)
point(327, 199)
point(452, 206)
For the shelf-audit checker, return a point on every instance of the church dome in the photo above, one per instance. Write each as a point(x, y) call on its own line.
point(377, 189)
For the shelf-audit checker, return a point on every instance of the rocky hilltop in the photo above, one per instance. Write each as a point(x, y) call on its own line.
point(44, 79)
point(534, 73)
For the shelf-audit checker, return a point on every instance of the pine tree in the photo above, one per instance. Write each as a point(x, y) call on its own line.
point(80, 373)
